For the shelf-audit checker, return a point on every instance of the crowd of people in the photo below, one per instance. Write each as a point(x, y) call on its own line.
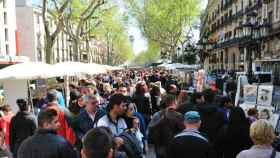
point(126, 114)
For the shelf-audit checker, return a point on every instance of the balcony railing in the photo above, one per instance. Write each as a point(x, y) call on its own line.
point(237, 15)
point(228, 21)
point(227, 5)
point(255, 6)
point(235, 40)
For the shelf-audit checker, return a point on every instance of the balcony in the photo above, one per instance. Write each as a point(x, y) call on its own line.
point(237, 15)
point(234, 41)
point(227, 4)
point(227, 21)
point(253, 7)
point(267, 1)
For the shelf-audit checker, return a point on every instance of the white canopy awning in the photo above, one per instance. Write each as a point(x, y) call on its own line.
point(28, 70)
point(37, 70)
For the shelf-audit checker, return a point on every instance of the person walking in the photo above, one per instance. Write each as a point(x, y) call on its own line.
point(23, 125)
point(116, 108)
point(190, 142)
point(5, 121)
point(227, 145)
point(64, 118)
point(164, 125)
point(45, 143)
point(88, 117)
point(262, 134)
point(142, 99)
point(97, 143)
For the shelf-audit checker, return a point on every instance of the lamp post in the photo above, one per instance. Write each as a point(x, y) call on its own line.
point(179, 54)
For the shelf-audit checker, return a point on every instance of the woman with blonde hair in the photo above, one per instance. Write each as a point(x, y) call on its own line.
point(262, 135)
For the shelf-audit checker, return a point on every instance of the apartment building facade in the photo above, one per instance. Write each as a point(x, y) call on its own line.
point(243, 34)
point(31, 36)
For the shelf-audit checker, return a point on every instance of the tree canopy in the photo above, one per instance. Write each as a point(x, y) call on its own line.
point(113, 32)
point(164, 21)
point(149, 56)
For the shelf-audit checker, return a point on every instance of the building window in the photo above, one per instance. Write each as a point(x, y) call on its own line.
point(4, 3)
point(5, 18)
point(7, 49)
point(39, 54)
point(226, 58)
point(277, 9)
point(270, 17)
point(250, 3)
point(241, 55)
point(38, 19)
point(6, 34)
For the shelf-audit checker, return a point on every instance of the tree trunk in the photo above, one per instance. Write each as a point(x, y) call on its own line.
point(76, 49)
point(48, 50)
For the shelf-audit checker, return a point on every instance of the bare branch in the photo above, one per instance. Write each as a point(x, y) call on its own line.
point(46, 22)
point(68, 26)
point(55, 5)
point(89, 30)
point(60, 20)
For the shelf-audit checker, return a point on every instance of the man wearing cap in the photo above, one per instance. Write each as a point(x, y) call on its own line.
point(190, 142)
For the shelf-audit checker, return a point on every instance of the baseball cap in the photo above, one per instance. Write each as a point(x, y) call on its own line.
point(192, 117)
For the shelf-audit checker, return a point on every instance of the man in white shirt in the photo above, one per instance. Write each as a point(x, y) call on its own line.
point(113, 120)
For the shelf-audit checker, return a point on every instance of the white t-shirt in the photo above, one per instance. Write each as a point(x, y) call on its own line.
point(117, 128)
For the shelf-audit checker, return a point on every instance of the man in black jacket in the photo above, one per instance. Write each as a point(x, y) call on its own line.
point(45, 143)
point(164, 125)
point(88, 117)
point(190, 142)
point(23, 125)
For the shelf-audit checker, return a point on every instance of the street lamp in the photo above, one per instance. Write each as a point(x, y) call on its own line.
point(178, 54)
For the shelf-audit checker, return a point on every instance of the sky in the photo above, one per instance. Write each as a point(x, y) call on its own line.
point(36, 2)
point(140, 44)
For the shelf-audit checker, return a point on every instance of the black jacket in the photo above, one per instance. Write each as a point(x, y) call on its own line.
point(190, 145)
point(212, 120)
point(46, 144)
point(143, 104)
point(84, 123)
point(229, 143)
point(23, 125)
point(164, 125)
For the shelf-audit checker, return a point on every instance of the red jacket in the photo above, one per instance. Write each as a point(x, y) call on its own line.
point(65, 130)
point(5, 126)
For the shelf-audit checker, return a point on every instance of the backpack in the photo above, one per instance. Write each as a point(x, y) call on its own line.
point(131, 144)
point(153, 128)
point(164, 127)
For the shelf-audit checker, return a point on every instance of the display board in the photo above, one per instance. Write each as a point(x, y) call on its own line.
point(265, 95)
point(250, 94)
